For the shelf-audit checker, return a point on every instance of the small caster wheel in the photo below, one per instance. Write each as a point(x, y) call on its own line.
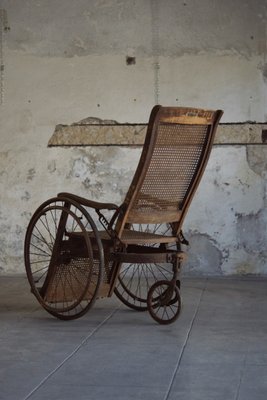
point(164, 302)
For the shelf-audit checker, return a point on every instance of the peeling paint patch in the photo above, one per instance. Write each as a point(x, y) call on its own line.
point(257, 159)
point(80, 167)
point(204, 257)
point(252, 232)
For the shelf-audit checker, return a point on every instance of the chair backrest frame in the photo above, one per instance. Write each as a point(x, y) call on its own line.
point(169, 116)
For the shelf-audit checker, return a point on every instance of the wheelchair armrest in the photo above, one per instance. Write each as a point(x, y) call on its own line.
point(89, 203)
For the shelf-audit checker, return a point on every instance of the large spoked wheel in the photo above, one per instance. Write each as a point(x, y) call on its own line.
point(63, 261)
point(164, 302)
point(135, 280)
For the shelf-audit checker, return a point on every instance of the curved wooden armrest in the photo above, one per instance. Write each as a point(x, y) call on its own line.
point(89, 203)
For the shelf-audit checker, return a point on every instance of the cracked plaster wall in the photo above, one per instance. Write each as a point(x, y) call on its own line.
point(64, 63)
point(230, 208)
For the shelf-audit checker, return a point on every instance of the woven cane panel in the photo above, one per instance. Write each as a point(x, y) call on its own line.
point(70, 280)
point(172, 168)
point(105, 238)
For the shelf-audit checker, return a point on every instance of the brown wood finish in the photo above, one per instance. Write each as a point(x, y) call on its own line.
point(175, 116)
point(175, 154)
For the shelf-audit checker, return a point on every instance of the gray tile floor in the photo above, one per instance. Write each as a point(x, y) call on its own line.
point(217, 350)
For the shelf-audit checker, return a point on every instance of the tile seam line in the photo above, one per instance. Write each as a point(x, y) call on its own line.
point(241, 378)
point(84, 341)
point(177, 366)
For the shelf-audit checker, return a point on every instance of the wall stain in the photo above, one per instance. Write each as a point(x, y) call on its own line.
point(26, 196)
point(204, 257)
point(257, 158)
point(252, 232)
point(264, 72)
point(30, 175)
point(52, 167)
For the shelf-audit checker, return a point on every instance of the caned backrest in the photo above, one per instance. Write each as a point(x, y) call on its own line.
point(174, 156)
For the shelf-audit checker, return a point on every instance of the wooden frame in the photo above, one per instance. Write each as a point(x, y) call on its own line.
point(175, 153)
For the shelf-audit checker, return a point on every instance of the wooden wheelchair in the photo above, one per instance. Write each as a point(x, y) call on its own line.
point(78, 250)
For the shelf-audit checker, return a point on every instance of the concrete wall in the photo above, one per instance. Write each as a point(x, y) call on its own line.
point(111, 59)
